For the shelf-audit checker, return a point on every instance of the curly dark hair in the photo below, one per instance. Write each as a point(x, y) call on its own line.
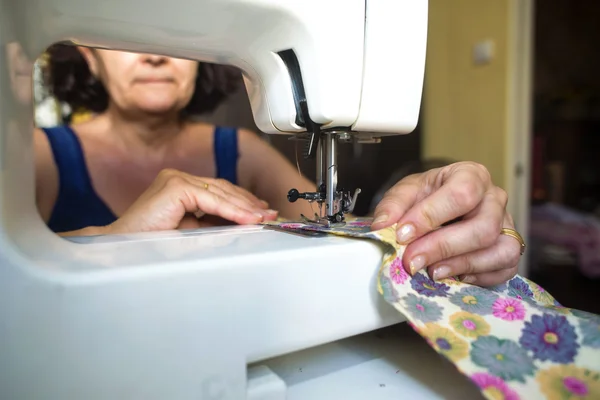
point(69, 79)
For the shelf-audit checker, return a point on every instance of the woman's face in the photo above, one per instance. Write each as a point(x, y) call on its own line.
point(148, 83)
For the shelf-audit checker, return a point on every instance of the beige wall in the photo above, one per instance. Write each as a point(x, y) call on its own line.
point(465, 105)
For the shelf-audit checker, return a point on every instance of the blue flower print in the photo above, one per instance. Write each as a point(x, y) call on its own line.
point(390, 293)
point(550, 337)
point(422, 309)
point(557, 304)
point(591, 333)
point(502, 358)
point(474, 299)
point(500, 288)
point(586, 315)
point(427, 287)
point(531, 302)
point(518, 288)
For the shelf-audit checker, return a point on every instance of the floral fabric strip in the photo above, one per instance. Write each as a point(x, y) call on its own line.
point(514, 341)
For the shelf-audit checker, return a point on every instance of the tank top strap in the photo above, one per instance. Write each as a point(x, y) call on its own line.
point(77, 204)
point(69, 159)
point(226, 153)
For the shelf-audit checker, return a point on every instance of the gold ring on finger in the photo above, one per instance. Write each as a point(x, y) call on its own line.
point(514, 234)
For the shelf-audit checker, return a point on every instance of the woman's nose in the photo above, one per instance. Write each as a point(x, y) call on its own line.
point(155, 60)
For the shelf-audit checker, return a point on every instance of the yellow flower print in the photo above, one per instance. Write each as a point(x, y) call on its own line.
point(469, 325)
point(540, 294)
point(445, 342)
point(452, 281)
point(560, 310)
point(562, 382)
point(389, 257)
point(388, 235)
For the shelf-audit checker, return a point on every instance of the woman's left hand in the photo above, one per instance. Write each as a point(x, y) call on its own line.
point(472, 248)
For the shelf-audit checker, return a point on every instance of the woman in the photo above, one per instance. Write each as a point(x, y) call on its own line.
point(141, 164)
point(142, 128)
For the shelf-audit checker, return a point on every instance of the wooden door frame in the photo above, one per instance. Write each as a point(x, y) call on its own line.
point(520, 117)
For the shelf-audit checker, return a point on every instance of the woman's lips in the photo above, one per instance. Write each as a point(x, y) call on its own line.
point(154, 80)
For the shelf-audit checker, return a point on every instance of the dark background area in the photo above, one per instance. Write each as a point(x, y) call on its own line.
point(566, 159)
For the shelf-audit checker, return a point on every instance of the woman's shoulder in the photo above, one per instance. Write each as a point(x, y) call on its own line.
point(204, 127)
point(41, 142)
point(55, 139)
point(207, 133)
point(89, 127)
point(249, 143)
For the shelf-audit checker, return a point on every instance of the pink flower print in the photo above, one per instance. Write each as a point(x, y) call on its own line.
point(493, 387)
point(360, 223)
point(575, 386)
point(291, 226)
point(468, 324)
point(509, 309)
point(397, 272)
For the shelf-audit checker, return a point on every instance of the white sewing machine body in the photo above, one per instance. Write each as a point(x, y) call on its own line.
point(181, 315)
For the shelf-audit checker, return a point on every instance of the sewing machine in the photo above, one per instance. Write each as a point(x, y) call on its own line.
point(222, 313)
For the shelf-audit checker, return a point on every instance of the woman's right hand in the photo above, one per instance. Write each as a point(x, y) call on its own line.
point(174, 195)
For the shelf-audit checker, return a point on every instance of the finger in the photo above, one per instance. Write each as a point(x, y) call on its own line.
point(189, 221)
point(229, 191)
point(239, 200)
point(221, 183)
point(475, 232)
point(490, 279)
point(503, 255)
point(459, 195)
point(396, 201)
point(211, 203)
point(239, 191)
point(243, 198)
point(211, 220)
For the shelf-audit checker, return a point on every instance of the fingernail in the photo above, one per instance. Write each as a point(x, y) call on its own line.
point(467, 279)
point(264, 203)
point(380, 219)
point(441, 272)
point(405, 233)
point(272, 212)
point(416, 264)
point(259, 216)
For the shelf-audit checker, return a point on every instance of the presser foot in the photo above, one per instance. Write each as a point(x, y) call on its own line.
point(344, 203)
point(321, 221)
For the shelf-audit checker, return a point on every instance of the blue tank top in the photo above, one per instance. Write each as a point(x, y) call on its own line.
point(78, 205)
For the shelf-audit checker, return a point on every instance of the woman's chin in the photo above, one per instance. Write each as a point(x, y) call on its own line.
point(157, 108)
point(156, 101)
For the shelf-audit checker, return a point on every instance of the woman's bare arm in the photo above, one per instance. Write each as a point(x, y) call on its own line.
point(269, 175)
